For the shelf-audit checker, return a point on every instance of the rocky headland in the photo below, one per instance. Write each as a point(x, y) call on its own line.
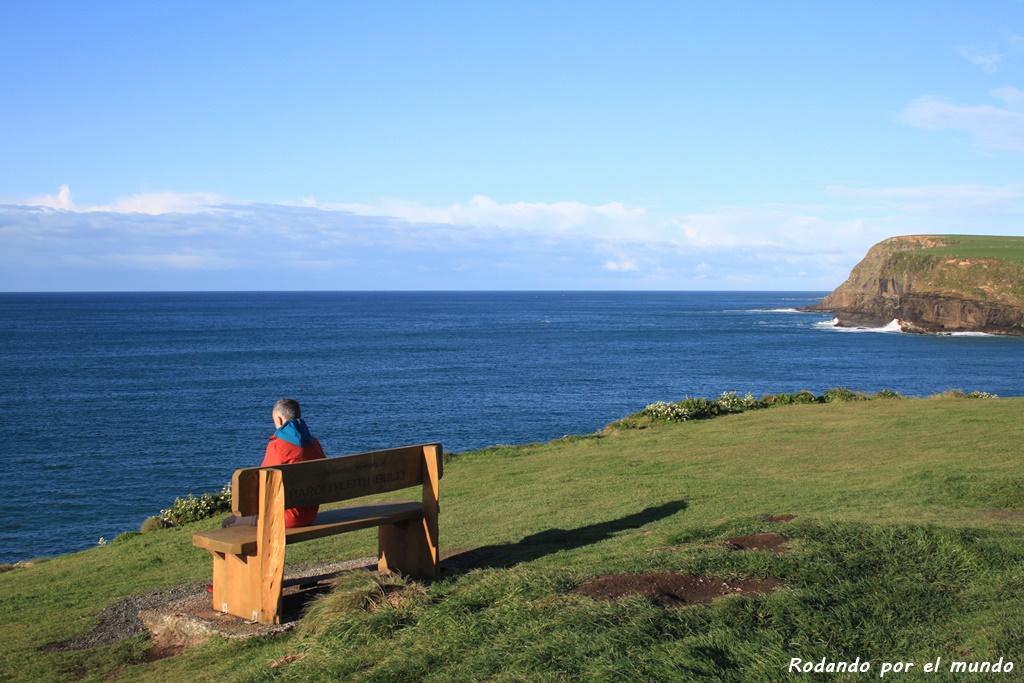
point(935, 284)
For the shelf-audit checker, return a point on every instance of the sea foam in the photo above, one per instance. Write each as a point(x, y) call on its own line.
point(833, 324)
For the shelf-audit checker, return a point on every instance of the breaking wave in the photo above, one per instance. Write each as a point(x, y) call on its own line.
point(967, 334)
point(833, 324)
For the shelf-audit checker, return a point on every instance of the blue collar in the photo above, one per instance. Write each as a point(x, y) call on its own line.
point(295, 431)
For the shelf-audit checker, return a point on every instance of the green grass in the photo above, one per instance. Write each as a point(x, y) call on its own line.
point(907, 546)
point(983, 268)
point(975, 246)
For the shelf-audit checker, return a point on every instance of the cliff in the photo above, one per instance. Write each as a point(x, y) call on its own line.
point(935, 284)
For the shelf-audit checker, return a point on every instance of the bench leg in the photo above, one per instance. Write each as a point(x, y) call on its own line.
point(236, 585)
point(249, 586)
point(408, 547)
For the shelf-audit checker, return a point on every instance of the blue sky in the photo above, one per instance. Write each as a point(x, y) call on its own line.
point(528, 145)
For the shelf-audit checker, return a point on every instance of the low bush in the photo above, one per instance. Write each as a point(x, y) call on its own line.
point(668, 412)
point(841, 395)
point(121, 538)
point(193, 508)
point(730, 402)
point(980, 394)
point(799, 398)
point(153, 523)
point(885, 393)
point(958, 393)
point(688, 409)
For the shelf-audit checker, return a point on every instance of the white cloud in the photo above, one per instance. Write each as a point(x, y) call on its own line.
point(993, 126)
point(194, 241)
point(623, 265)
point(943, 199)
point(62, 200)
point(156, 203)
point(987, 59)
point(990, 59)
point(766, 229)
point(173, 260)
point(564, 245)
point(611, 227)
point(152, 203)
point(404, 225)
point(1013, 97)
point(613, 219)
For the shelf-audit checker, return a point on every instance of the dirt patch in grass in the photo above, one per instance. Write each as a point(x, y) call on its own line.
point(121, 620)
point(673, 590)
point(1007, 514)
point(780, 518)
point(182, 617)
point(773, 543)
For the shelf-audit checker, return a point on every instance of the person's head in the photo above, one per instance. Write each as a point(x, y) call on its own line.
point(284, 410)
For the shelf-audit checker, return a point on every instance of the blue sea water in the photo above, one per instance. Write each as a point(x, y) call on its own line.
point(115, 404)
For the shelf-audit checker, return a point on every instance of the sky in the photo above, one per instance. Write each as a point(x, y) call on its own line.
point(638, 145)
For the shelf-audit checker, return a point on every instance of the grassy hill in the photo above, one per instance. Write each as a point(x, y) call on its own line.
point(906, 545)
point(980, 246)
point(936, 284)
point(983, 268)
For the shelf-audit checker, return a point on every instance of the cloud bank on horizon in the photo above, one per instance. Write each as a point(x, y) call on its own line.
point(646, 163)
point(200, 241)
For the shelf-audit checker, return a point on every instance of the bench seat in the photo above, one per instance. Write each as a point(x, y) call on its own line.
point(242, 540)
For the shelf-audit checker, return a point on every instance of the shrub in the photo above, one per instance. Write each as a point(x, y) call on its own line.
point(153, 523)
point(885, 393)
point(841, 395)
point(667, 412)
point(730, 402)
point(121, 538)
point(193, 509)
point(688, 409)
point(699, 408)
point(957, 393)
point(801, 397)
point(639, 420)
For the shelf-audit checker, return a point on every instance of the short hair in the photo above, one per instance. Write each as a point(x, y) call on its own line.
point(288, 408)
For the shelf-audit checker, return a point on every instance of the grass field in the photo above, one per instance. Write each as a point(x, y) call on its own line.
point(982, 268)
point(974, 246)
point(907, 545)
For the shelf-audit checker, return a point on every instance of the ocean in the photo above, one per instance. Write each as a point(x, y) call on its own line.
point(116, 403)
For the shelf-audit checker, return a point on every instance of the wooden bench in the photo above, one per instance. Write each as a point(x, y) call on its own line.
point(248, 562)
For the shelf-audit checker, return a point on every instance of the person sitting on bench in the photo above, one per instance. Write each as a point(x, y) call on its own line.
point(292, 442)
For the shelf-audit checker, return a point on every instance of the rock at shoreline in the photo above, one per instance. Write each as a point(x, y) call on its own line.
point(935, 284)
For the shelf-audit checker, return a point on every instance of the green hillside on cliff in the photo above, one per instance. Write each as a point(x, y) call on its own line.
point(979, 247)
point(987, 269)
point(936, 283)
point(901, 540)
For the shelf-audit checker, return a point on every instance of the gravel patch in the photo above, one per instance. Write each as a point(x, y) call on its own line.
point(184, 605)
point(121, 620)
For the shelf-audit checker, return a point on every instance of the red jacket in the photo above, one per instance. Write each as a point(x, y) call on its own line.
point(281, 452)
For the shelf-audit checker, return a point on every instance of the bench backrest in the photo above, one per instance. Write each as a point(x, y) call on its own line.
point(330, 480)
